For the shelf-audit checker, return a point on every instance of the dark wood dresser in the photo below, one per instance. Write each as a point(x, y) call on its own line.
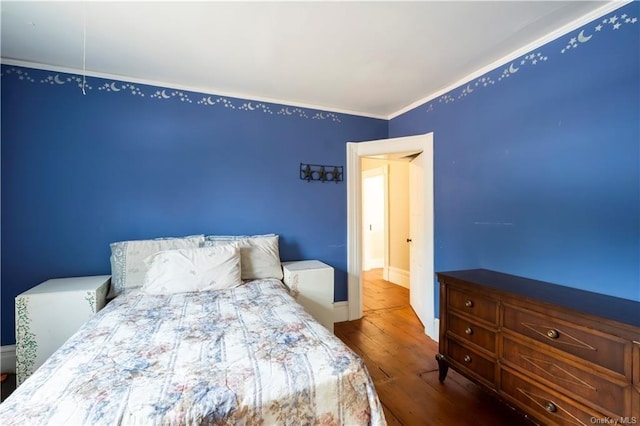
point(558, 354)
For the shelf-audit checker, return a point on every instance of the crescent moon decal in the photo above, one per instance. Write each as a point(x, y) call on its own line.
point(250, 107)
point(321, 116)
point(164, 95)
point(513, 69)
point(469, 89)
point(113, 87)
point(582, 38)
point(209, 101)
point(57, 79)
point(286, 111)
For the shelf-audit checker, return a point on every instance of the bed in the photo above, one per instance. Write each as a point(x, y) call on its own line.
point(241, 354)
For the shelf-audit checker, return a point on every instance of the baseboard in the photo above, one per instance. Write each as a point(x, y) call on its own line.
point(385, 273)
point(8, 359)
point(434, 333)
point(341, 311)
point(399, 276)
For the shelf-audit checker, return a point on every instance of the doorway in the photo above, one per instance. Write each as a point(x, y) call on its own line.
point(422, 280)
point(375, 217)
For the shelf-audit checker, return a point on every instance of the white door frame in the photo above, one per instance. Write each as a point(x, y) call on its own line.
point(356, 150)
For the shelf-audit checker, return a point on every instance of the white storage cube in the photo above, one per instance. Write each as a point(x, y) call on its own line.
point(48, 314)
point(311, 283)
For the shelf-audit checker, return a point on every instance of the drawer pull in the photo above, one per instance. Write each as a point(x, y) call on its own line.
point(467, 358)
point(469, 331)
point(469, 303)
point(550, 407)
point(553, 334)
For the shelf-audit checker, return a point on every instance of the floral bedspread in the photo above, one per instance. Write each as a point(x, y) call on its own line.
point(248, 355)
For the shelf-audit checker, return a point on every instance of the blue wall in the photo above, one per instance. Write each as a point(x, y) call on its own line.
point(537, 163)
point(79, 172)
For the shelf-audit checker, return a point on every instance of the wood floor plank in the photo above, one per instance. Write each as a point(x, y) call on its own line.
point(401, 360)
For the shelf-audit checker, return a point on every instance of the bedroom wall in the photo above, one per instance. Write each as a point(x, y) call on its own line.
point(132, 161)
point(537, 162)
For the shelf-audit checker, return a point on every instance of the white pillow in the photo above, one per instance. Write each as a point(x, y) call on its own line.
point(189, 270)
point(127, 259)
point(260, 257)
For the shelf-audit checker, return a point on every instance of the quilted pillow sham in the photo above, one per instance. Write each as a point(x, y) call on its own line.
point(192, 270)
point(259, 254)
point(128, 267)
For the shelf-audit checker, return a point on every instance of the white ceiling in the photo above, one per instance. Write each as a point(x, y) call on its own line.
point(370, 58)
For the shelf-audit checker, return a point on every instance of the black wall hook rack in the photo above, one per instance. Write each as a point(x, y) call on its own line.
point(320, 173)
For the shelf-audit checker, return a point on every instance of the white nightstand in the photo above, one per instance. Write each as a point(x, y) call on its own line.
point(311, 283)
point(48, 314)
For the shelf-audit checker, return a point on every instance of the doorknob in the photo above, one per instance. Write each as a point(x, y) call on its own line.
point(408, 240)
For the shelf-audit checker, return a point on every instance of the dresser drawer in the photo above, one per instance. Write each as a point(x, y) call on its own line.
point(548, 407)
point(599, 348)
point(473, 304)
point(470, 331)
point(479, 366)
point(594, 389)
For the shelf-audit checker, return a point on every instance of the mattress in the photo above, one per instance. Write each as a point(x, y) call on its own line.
point(246, 355)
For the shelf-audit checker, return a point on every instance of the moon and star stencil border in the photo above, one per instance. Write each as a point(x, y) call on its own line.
point(164, 94)
point(613, 22)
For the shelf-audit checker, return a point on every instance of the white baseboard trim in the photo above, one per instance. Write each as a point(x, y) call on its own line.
point(385, 273)
point(434, 333)
point(8, 359)
point(399, 276)
point(341, 311)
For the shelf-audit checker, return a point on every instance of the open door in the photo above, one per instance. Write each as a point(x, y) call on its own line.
point(417, 289)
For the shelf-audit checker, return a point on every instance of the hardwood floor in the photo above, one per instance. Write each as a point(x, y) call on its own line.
point(401, 361)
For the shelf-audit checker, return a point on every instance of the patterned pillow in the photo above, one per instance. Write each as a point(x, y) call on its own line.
point(259, 254)
point(193, 270)
point(127, 259)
